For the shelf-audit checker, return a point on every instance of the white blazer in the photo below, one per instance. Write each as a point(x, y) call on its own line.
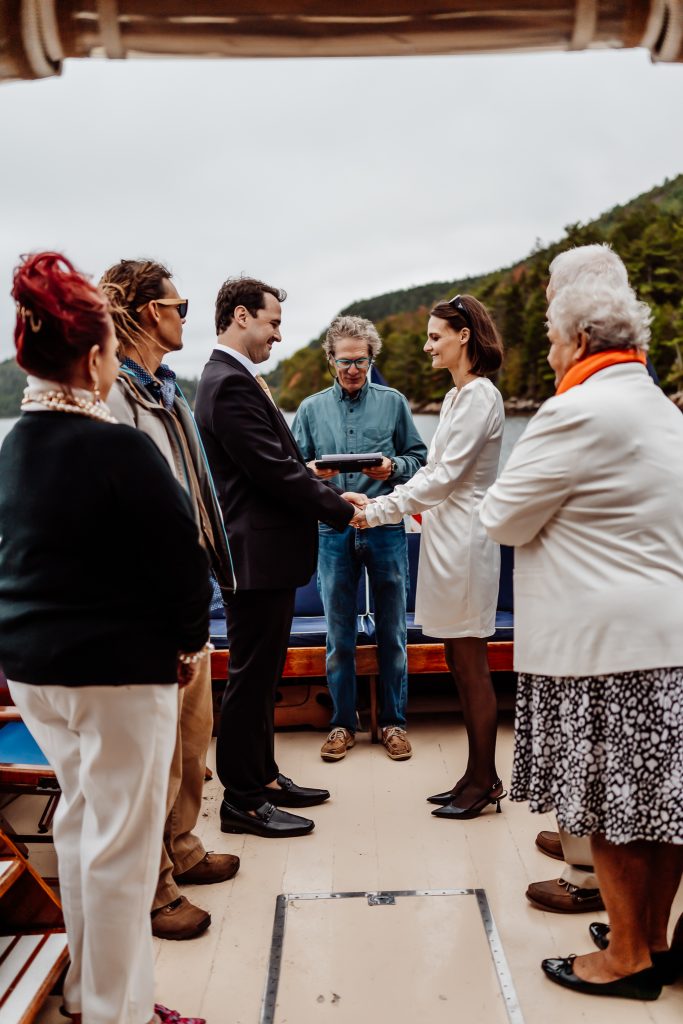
point(592, 500)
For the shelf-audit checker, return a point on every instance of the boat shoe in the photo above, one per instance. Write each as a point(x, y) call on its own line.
point(560, 897)
point(396, 743)
point(337, 743)
point(213, 867)
point(549, 844)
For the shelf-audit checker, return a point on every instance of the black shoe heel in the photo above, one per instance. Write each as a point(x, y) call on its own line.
point(453, 813)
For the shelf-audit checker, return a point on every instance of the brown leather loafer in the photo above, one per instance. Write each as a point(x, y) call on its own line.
point(337, 743)
point(179, 920)
point(396, 743)
point(549, 844)
point(560, 897)
point(214, 867)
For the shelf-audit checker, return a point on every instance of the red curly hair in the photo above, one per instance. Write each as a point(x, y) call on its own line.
point(60, 315)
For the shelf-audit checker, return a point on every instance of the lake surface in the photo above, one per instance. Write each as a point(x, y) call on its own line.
point(426, 424)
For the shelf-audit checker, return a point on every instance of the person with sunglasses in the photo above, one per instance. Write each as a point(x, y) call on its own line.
point(355, 416)
point(458, 574)
point(148, 315)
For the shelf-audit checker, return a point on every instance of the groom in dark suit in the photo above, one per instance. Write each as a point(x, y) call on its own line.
point(271, 505)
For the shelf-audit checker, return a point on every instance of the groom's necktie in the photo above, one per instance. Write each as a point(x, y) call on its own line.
point(260, 380)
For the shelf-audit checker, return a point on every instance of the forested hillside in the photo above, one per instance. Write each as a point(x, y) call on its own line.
point(648, 235)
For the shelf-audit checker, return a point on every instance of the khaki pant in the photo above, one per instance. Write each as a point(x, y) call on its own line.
point(576, 851)
point(110, 748)
point(182, 849)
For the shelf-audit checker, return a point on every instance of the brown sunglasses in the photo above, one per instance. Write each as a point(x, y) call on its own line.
point(180, 304)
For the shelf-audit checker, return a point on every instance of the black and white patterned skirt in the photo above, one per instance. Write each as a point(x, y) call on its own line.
point(604, 752)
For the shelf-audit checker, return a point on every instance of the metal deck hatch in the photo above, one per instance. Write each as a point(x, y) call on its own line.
point(428, 955)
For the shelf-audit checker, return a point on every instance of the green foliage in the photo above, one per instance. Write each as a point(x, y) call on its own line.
point(648, 235)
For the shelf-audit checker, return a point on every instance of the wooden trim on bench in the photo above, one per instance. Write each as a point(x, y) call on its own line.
point(309, 662)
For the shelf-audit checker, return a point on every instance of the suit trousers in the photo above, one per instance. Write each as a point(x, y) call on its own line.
point(110, 747)
point(181, 848)
point(259, 624)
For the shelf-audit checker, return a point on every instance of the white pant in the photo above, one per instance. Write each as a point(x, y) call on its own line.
point(577, 853)
point(111, 748)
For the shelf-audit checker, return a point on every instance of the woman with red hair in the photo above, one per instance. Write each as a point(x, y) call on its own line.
point(91, 662)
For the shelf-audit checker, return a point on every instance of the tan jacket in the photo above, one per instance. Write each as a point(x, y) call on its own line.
point(175, 435)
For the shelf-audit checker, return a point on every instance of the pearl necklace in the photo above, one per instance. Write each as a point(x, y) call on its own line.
point(59, 401)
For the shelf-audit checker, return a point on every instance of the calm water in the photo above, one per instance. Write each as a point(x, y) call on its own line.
point(514, 425)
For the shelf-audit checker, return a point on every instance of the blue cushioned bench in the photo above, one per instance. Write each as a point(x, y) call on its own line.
point(24, 770)
point(306, 653)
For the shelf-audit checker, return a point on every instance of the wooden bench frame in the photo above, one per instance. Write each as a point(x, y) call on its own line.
point(309, 663)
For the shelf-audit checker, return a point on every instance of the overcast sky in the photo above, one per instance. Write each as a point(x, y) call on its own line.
point(335, 179)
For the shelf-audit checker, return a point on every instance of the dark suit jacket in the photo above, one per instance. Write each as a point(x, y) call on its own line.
point(271, 501)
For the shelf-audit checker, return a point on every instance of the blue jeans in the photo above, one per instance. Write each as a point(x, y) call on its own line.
point(384, 552)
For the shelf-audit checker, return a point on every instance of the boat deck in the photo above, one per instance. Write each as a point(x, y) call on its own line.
point(425, 958)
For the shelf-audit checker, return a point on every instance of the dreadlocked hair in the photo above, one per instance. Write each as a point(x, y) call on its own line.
point(60, 315)
point(129, 285)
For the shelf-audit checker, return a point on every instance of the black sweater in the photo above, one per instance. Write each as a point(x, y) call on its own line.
point(102, 577)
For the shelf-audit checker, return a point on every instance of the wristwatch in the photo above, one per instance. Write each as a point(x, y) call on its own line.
point(394, 467)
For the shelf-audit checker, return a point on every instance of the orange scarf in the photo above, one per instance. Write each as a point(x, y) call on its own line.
point(593, 364)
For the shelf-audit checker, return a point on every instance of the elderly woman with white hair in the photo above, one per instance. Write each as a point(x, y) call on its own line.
point(591, 498)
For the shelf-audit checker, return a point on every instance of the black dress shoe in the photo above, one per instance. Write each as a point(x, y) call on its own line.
point(599, 933)
point(491, 796)
point(268, 822)
point(641, 985)
point(291, 795)
point(667, 963)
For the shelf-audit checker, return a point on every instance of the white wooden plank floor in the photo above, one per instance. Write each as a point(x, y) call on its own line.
point(377, 833)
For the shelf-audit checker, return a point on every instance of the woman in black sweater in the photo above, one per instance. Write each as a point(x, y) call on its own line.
point(104, 600)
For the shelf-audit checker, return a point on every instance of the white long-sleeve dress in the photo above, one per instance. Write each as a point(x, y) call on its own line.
point(457, 579)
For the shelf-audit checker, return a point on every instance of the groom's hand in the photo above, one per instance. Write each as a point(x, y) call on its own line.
point(357, 499)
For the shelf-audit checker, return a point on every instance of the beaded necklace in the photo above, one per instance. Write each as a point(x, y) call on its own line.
point(60, 401)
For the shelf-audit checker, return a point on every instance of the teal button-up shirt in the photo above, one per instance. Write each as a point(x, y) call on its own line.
point(376, 419)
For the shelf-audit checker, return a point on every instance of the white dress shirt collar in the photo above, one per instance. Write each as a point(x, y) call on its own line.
point(244, 360)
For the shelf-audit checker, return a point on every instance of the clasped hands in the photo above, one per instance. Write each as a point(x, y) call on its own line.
point(359, 501)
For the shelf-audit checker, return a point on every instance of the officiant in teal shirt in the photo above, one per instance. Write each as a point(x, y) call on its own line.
point(355, 417)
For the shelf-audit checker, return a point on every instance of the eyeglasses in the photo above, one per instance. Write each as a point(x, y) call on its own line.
point(457, 303)
point(360, 364)
point(180, 304)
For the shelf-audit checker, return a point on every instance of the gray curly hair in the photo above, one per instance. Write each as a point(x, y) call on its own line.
point(609, 314)
point(352, 327)
point(598, 261)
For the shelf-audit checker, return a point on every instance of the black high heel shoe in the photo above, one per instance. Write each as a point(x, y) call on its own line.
point(452, 812)
point(667, 964)
point(450, 794)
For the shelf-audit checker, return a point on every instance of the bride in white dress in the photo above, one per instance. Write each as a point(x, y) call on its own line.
point(457, 581)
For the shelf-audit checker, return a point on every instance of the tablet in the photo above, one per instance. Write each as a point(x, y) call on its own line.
point(351, 463)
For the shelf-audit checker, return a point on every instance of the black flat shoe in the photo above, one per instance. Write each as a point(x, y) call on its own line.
point(641, 985)
point(291, 795)
point(453, 813)
point(667, 963)
point(269, 822)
